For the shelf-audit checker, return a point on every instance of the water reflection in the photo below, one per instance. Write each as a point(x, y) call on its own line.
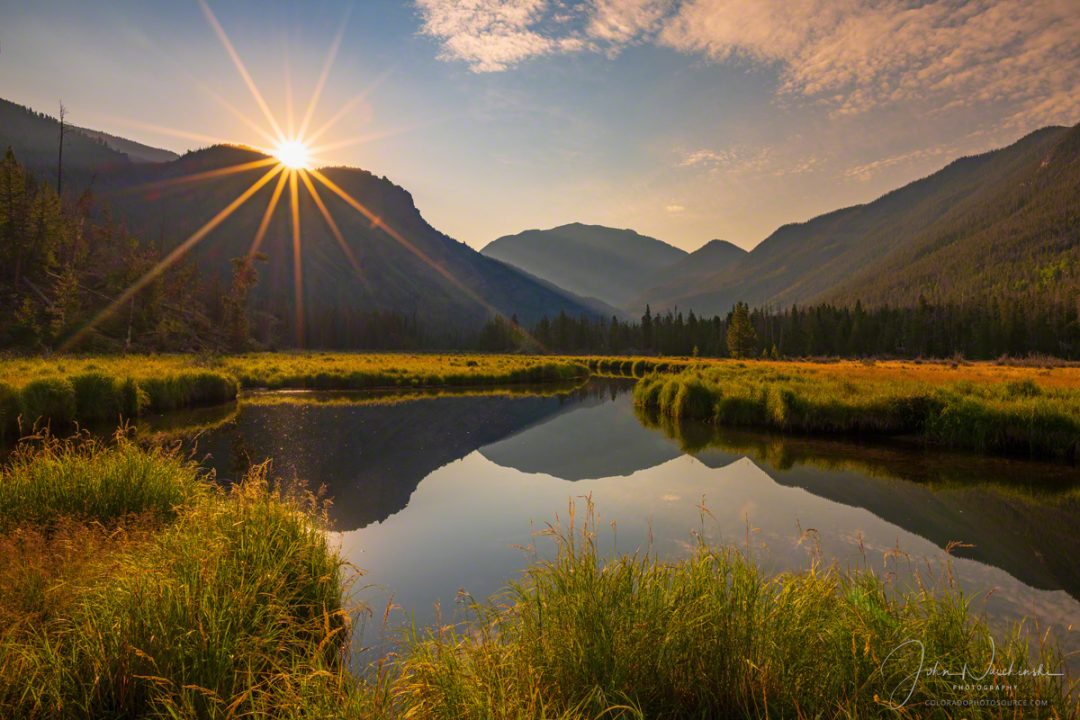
point(433, 495)
point(370, 451)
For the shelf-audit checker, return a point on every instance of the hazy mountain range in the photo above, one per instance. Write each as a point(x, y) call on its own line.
point(1006, 222)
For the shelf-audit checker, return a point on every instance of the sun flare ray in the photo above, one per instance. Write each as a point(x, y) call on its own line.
point(345, 109)
point(328, 63)
point(335, 231)
point(264, 224)
point(204, 175)
point(298, 272)
point(166, 262)
point(377, 222)
point(252, 87)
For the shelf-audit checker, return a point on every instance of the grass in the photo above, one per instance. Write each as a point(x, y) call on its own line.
point(351, 371)
point(1017, 414)
point(64, 390)
point(83, 480)
point(397, 397)
point(131, 586)
point(710, 636)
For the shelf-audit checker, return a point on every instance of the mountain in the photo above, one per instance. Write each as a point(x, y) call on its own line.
point(611, 265)
point(1020, 238)
point(982, 224)
point(136, 151)
point(402, 264)
point(712, 258)
point(35, 140)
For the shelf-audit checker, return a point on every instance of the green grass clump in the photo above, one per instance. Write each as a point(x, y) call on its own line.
point(48, 399)
point(88, 481)
point(189, 388)
point(100, 397)
point(1017, 417)
point(708, 636)
point(227, 605)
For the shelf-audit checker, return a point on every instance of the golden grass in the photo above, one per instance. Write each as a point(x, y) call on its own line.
point(929, 372)
point(64, 390)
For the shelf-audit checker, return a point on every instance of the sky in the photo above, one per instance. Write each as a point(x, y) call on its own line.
point(686, 120)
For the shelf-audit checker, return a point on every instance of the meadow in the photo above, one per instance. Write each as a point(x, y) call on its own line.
point(65, 390)
point(1025, 411)
point(132, 586)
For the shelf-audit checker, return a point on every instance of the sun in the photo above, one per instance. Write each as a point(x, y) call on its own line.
point(290, 153)
point(293, 154)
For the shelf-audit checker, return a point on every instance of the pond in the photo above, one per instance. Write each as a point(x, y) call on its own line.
point(438, 497)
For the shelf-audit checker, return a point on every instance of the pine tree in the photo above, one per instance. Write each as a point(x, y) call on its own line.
point(741, 338)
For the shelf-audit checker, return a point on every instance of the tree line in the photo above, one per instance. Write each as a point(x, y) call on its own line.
point(1000, 326)
point(63, 261)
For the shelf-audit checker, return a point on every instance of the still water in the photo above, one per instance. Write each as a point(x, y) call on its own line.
point(435, 496)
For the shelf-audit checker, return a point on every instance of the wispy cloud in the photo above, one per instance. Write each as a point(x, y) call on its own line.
point(851, 55)
point(739, 160)
point(674, 208)
point(621, 22)
point(856, 55)
point(492, 35)
point(495, 35)
point(866, 171)
point(733, 160)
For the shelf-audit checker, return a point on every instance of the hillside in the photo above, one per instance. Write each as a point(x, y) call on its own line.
point(413, 270)
point(950, 223)
point(35, 140)
point(1020, 238)
point(444, 282)
point(589, 260)
point(712, 258)
point(136, 151)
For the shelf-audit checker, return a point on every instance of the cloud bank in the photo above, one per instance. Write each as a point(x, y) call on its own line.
point(852, 56)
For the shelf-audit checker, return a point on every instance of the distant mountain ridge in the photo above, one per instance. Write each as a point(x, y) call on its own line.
point(1004, 225)
point(981, 225)
point(136, 151)
point(712, 258)
point(609, 264)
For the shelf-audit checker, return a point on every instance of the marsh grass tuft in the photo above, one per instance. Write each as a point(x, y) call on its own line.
point(83, 479)
point(133, 587)
point(707, 636)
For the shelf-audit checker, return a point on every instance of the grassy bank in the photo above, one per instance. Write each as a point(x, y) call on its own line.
point(1019, 413)
point(130, 586)
point(67, 390)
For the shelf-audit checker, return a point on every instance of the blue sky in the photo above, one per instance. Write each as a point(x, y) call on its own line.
point(684, 119)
